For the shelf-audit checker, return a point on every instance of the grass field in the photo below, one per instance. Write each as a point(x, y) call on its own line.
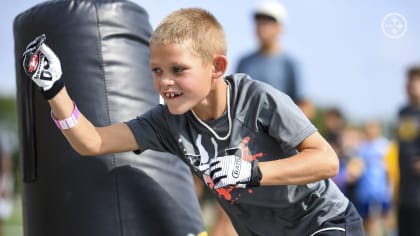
point(13, 225)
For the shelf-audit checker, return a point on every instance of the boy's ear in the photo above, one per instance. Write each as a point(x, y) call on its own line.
point(219, 66)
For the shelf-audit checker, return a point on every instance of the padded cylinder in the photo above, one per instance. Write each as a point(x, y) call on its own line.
point(103, 48)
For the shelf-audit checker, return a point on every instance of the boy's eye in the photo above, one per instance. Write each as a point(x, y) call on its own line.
point(178, 70)
point(156, 70)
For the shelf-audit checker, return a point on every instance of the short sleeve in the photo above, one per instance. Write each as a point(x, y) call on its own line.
point(151, 131)
point(283, 119)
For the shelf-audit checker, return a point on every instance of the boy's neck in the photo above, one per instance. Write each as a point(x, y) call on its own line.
point(214, 106)
point(270, 49)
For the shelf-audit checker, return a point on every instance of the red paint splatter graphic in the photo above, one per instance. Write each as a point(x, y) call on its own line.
point(245, 151)
point(226, 192)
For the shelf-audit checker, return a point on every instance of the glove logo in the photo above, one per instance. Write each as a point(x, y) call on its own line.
point(237, 167)
point(33, 63)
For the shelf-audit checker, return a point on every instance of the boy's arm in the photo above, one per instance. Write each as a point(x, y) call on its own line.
point(43, 67)
point(315, 161)
point(87, 139)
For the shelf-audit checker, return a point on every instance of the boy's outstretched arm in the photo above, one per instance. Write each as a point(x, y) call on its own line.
point(43, 67)
point(316, 160)
point(87, 139)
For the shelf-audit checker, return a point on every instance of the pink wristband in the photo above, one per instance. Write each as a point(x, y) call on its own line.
point(69, 122)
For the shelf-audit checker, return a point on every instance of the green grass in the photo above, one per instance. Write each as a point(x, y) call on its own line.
point(13, 225)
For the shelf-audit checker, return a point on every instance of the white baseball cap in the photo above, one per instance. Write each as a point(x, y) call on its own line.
point(273, 9)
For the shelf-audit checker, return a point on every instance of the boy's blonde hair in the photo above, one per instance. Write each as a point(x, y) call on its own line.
point(194, 27)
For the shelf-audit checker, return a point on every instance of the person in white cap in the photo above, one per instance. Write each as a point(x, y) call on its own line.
point(270, 63)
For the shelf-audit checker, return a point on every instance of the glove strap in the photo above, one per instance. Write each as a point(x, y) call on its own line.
point(69, 122)
point(50, 93)
point(256, 175)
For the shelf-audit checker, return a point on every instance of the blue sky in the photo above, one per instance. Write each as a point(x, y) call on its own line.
point(345, 57)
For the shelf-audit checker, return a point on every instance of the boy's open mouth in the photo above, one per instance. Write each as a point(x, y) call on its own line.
point(172, 94)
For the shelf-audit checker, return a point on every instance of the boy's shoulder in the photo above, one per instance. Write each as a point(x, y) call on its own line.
point(245, 83)
point(257, 95)
point(243, 79)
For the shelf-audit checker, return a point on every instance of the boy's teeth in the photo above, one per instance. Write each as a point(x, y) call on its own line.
point(171, 95)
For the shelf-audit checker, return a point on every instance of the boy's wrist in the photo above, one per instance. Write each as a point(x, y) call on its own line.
point(62, 105)
point(256, 175)
point(54, 90)
point(68, 122)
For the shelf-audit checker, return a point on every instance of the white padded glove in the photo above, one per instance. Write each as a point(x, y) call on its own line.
point(232, 170)
point(43, 66)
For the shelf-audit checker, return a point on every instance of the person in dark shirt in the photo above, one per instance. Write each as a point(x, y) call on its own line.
point(408, 135)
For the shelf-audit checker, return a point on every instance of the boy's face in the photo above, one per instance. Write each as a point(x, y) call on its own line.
point(267, 30)
point(179, 76)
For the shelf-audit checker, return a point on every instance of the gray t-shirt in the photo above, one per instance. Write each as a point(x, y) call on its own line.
point(267, 126)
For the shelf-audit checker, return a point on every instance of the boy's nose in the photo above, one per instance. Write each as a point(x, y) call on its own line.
point(166, 82)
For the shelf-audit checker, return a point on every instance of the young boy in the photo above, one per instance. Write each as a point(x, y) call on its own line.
point(249, 142)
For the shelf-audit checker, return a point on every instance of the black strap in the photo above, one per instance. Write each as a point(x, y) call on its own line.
point(50, 93)
point(256, 175)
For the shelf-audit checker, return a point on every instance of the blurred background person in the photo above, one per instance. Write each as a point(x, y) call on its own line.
point(345, 139)
point(270, 63)
point(373, 190)
point(408, 136)
point(6, 181)
point(308, 108)
point(334, 123)
point(351, 164)
point(392, 165)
